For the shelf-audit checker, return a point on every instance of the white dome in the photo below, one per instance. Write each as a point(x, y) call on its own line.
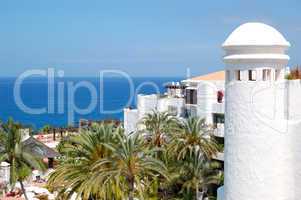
point(255, 34)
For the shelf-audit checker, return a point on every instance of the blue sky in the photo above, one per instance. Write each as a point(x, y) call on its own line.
point(143, 38)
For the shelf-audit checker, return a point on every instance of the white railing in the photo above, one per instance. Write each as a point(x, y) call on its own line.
point(219, 107)
point(219, 130)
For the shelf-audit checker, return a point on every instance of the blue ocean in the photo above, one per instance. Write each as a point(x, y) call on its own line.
point(112, 95)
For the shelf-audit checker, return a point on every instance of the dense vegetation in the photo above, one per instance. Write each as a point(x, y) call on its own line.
point(166, 159)
point(13, 151)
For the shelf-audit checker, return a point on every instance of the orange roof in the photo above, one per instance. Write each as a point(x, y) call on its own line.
point(215, 76)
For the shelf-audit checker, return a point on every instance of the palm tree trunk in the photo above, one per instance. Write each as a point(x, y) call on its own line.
point(23, 190)
point(53, 132)
point(158, 139)
point(131, 188)
point(12, 173)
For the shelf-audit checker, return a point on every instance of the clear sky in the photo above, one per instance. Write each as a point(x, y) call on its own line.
point(143, 38)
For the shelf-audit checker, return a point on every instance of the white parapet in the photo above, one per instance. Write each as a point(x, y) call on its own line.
point(218, 107)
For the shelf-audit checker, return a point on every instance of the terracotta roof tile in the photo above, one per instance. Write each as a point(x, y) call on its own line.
point(215, 76)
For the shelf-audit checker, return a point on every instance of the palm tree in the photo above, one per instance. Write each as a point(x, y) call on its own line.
point(158, 125)
point(193, 134)
point(14, 152)
point(105, 164)
point(80, 153)
point(197, 173)
point(89, 144)
point(131, 166)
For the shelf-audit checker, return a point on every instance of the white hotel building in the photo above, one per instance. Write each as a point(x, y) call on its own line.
point(199, 96)
point(262, 110)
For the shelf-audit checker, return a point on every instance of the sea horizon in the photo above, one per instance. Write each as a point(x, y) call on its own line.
point(34, 94)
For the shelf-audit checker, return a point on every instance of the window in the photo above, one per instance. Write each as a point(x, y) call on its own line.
point(191, 96)
point(252, 75)
point(266, 74)
point(238, 75)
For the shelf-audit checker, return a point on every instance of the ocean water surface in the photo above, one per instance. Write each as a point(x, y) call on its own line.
point(112, 95)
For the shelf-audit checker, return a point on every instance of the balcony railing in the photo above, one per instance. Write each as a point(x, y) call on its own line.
point(191, 110)
point(219, 130)
point(219, 107)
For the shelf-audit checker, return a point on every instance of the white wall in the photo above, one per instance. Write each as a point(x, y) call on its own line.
point(130, 120)
point(293, 99)
point(178, 103)
point(146, 104)
point(25, 133)
point(257, 147)
point(206, 104)
point(4, 172)
point(207, 99)
point(220, 193)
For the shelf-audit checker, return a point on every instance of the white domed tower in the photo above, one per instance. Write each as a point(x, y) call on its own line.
point(256, 146)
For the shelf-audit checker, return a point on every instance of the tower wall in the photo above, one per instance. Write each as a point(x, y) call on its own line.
point(293, 99)
point(257, 157)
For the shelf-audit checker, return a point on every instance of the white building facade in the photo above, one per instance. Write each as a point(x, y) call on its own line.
point(172, 102)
